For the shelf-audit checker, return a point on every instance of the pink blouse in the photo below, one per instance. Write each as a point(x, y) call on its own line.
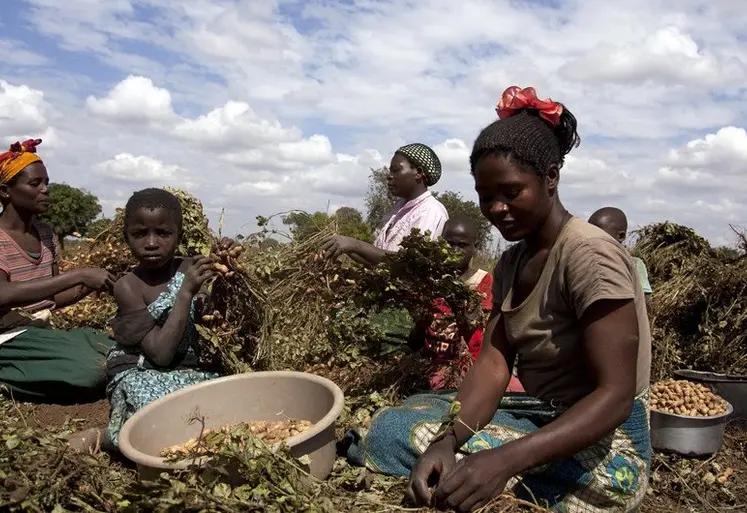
point(424, 212)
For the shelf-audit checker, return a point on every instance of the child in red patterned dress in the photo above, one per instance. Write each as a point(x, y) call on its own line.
point(454, 343)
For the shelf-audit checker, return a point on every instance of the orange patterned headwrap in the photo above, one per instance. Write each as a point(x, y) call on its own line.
point(515, 99)
point(17, 158)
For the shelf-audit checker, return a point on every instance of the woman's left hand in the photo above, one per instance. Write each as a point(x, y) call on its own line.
point(339, 245)
point(475, 481)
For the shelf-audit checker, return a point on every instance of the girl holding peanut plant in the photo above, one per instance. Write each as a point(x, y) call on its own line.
point(156, 339)
point(568, 301)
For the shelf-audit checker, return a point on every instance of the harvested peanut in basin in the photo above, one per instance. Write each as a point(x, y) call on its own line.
point(270, 432)
point(683, 397)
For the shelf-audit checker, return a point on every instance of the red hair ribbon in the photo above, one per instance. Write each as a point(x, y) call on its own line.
point(515, 99)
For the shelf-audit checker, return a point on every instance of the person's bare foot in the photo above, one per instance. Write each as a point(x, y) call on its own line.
point(90, 440)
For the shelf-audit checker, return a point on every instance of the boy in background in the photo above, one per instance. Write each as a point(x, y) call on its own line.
point(613, 221)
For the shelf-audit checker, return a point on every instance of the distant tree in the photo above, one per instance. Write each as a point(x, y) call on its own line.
point(349, 223)
point(303, 225)
point(741, 234)
point(457, 206)
point(379, 201)
point(72, 210)
point(728, 254)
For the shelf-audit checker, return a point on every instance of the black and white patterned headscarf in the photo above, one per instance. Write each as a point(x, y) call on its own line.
point(426, 159)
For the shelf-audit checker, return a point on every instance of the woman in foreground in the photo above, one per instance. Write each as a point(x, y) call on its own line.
point(567, 299)
point(36, 362)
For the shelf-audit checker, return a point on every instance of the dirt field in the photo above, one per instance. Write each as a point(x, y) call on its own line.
point(82, 416)
point(717, 484)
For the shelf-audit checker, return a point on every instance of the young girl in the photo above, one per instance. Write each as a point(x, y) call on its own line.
point(37, 362)
point(568, 300)
point(441, 336)
point(155, 352)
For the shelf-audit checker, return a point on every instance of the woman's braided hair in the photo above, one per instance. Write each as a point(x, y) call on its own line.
point(528, 138)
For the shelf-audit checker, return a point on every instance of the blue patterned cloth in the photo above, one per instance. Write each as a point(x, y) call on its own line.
point(611, 475)
point(134, 388)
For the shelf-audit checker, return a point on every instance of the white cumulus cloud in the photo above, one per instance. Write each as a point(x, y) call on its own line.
point(141, 170)
point(234, 124)
point(22, 110)
point(668, 55)
point(724, 153)
point(134, 99)
point(708, 176)
point(346, 176)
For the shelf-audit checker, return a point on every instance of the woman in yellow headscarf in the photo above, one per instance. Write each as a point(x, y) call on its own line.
point(38, 363)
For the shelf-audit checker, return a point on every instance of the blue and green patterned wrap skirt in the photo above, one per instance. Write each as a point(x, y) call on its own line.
point(611, 475)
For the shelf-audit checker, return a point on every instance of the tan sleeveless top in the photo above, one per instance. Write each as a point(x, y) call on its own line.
point(584, 266)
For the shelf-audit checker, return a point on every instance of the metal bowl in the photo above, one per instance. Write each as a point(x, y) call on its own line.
point(688, 436)
point(233, 399)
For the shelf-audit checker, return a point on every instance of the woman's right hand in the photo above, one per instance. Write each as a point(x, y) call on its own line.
point(198, 273)
point(99, 280)
point(433, 465)
point(338, 245)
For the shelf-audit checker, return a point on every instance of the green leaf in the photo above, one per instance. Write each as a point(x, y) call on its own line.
point(12, 442)
point(222, 490)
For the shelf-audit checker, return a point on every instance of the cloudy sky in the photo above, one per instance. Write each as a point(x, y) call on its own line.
point(259, 106)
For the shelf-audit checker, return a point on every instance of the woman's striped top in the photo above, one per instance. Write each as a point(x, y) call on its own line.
point(20, 265)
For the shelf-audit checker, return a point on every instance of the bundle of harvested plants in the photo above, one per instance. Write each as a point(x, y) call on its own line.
point(699, 306)
point(230, 332)
point(668, 249)
point(414, 277)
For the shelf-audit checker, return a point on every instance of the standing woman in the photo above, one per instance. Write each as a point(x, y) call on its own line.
point(413, 169)
point(568, 301)
point(38, 363)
